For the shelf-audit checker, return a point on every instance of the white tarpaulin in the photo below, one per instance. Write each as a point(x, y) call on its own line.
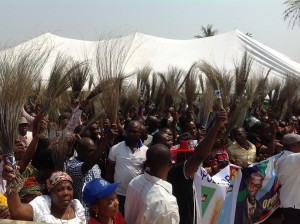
point(222, 50)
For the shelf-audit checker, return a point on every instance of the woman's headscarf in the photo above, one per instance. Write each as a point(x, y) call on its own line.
point(57, 177)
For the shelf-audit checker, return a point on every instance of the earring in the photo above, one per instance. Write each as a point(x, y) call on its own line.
point(96, 214)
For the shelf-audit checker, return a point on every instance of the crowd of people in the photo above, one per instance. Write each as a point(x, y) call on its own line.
point(139, 170)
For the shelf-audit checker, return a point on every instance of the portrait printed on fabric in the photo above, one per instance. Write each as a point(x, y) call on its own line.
point(258, 195)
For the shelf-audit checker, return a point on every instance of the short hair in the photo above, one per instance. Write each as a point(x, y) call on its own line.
point(82, 143)
point(257, 178)
point(139, 119)
point(158, 156)
point(157, 137)
point(134, 123)
point(235, 130)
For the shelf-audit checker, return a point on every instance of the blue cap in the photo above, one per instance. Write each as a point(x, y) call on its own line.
point(96, 189)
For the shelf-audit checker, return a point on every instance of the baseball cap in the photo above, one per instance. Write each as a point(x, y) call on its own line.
point(96, 189)
point(22, 120)
point(289, 139)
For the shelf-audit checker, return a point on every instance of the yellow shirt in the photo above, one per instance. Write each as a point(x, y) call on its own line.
point(237, 152)
point(3, 200)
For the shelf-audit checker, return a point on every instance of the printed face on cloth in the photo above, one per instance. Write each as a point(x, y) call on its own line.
point(255, 182)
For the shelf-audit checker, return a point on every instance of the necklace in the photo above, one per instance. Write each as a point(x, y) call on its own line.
point(68, 217)
point(62, 221)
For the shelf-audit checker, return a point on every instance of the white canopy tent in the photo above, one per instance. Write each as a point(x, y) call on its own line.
point(222, 50)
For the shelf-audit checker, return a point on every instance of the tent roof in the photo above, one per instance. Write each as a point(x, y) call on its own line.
point(222, 50)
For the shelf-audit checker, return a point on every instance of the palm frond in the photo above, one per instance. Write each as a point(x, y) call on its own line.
point(292, 13)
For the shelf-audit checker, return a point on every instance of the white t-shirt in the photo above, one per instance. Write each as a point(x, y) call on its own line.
point(42, 211)
point(288, 172)
point(128, 164)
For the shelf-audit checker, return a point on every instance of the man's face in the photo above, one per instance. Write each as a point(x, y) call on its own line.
point(88, 150)
point(94, 129)
point(166, 139)
point(294, 121)
point(106, 123)
point(191, 129)
point(254, 184)
point(23, 129)
point(133, 132)
point(240, 135)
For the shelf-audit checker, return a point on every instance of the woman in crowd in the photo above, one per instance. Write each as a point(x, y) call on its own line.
point(103, 202)
point(56, 207)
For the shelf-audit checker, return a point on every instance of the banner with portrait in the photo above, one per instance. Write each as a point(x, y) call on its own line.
point(238, 196)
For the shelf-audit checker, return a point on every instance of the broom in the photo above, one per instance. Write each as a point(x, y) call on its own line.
point(190, 89)
point(18, 70)
point(111, 59)
point(79, 78)
point(206, 104)
point(58, 83)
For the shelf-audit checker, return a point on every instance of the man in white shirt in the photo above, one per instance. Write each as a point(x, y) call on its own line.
point(25, 136)
point(149, 196)
point(288, 174)
point(126, 161)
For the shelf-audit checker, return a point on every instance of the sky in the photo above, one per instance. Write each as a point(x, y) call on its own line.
point(174, 19)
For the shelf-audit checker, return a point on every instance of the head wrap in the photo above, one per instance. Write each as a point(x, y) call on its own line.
point(57, 177)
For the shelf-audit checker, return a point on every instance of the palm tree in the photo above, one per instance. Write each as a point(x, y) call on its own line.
point(292, 13)
point(207, 31)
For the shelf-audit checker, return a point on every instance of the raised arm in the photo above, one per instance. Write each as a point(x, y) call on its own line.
point(18, 210)
point(205, 146)
point(104, 143)
point(31, 149)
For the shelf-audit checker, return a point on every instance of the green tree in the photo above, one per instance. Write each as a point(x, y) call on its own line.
point(292, 13)
point(207, 31)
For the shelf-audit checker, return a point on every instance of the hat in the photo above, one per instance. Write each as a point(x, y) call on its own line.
point(289, 139)
point(251, 122)
point(96, 189)
point(22, 120)
point(55, 178)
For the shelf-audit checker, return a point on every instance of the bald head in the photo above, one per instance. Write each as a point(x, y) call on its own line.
point(134, 123)
point(158, 157)
point(133, 131)
point(85, 147)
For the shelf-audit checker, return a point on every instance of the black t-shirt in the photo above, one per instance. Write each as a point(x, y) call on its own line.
point(183, 191)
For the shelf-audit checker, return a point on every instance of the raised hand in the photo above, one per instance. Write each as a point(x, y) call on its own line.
point(221, 117)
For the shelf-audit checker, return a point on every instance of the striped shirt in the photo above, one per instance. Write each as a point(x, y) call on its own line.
point(150, 200)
